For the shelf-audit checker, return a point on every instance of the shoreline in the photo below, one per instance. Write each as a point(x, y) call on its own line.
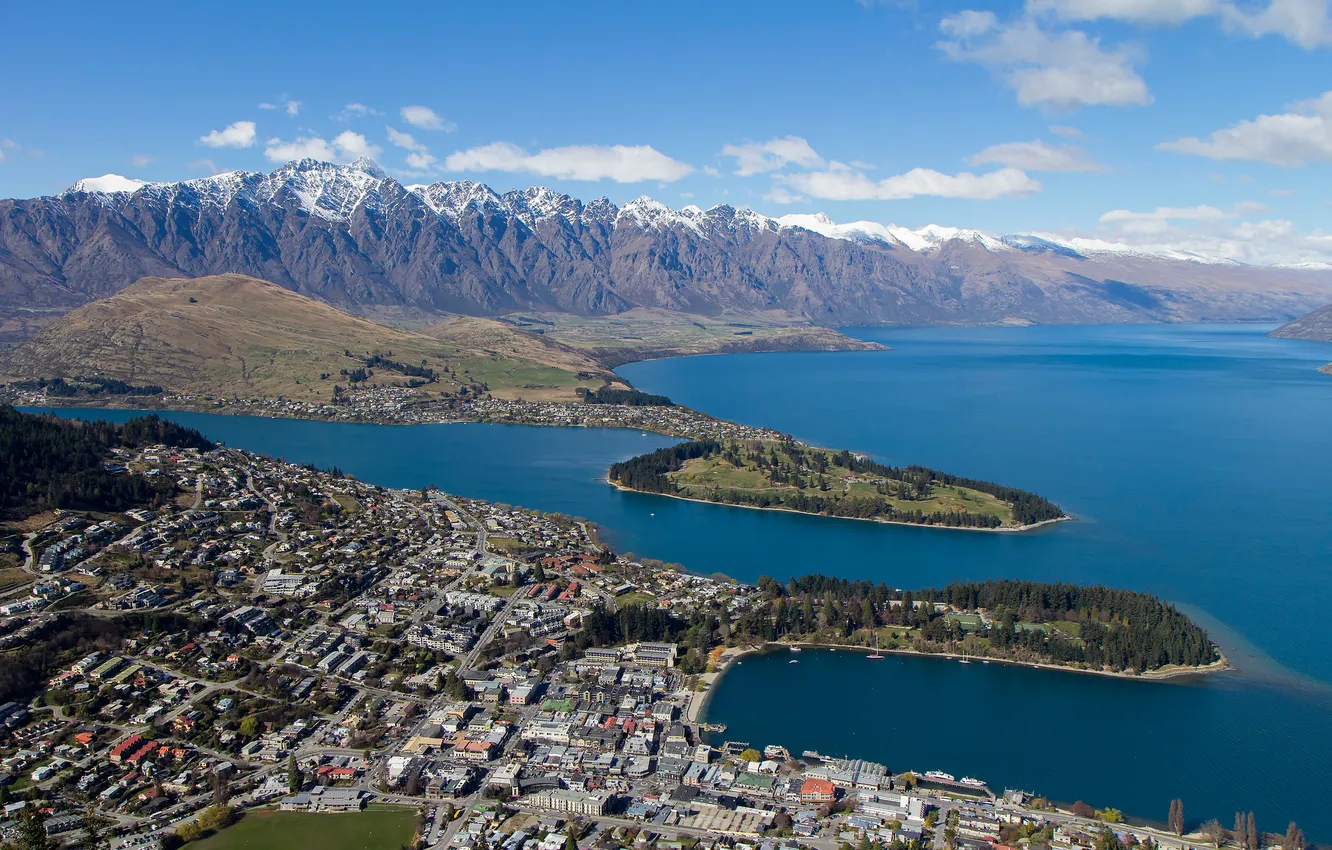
point(735, 654)
point(1011, 530)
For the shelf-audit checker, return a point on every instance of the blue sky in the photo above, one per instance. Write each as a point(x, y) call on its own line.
point(1078, 117)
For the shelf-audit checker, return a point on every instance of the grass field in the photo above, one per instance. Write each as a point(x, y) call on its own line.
point(376, 828)
point(701, 478)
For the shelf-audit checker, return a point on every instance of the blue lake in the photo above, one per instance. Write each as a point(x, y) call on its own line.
point(1195, 458)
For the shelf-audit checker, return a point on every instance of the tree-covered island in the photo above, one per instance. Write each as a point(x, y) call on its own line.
point(786, 475)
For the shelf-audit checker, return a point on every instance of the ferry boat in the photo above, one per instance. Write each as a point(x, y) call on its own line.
point(975, 783)
point(939, 774)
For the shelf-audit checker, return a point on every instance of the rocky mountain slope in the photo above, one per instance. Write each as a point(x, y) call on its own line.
point(1315, 326)
point(355, 238)
point(233, 335)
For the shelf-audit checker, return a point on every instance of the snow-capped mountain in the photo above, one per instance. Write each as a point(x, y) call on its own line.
point(356, 237)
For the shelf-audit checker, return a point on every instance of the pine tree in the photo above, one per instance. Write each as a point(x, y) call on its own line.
point(294, 778)
point(1241, 836)
point(1294, 838)
point(1253, 833)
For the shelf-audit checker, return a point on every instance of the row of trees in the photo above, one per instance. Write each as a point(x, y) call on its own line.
point(631, 398)
point(47, 462)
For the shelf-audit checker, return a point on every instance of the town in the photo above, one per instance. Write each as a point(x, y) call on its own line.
point(398, 405)
point(283, 639)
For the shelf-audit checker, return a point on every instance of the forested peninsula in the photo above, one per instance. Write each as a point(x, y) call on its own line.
point(786, 475)
point(1087, 628)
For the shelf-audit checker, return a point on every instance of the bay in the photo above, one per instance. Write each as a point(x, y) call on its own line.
point(1194, 458)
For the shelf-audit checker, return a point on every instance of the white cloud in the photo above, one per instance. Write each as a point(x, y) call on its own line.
point(1135, 11)
point(1062, 68)
point(846, 185)
point(621, 163)
point(293, 108)
point(1036, 156)
point(267, 105)
point(140, 160)
point(345, 146)
point(352, 111)
point(1065, 131)
point(420, 160)
point(302, 148)
point(1281, 193)
point(1303, 22)
point(779, 195)
point(238, 134)
point(1209, 231)
point(203, 165)
point(762, 157)
point(969, 23)
point(1158, 218)
point(1294, 138)
point(710, 171)
point(351, 145)
point(425, 118)
point(404, 140)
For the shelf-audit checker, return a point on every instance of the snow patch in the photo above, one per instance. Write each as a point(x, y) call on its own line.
point(107, 184)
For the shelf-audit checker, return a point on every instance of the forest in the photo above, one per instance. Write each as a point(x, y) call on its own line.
point(67, 637)
point(1115, 629)
point(800, 479)
point(630, 398)
point(46, 462)
point(74, 387)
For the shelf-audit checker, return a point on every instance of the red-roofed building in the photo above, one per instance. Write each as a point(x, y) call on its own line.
point(817, 791)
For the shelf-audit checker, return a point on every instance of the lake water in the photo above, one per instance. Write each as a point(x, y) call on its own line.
point(1195, 458)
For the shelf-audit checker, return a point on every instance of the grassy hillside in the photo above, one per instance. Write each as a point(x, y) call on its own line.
point(236, 335)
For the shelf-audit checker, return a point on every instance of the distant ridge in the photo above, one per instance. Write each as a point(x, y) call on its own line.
point(352, 236)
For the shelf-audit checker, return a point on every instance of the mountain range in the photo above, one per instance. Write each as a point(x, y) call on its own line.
point(356, 238)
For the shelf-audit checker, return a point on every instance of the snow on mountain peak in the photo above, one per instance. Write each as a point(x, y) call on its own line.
point(107, 184)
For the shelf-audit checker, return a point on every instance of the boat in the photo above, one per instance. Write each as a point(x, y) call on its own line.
point(963, 661)
point(939, 774)
point(875, 657)
point(795, 649)
point(975, 783)
point(793, 661)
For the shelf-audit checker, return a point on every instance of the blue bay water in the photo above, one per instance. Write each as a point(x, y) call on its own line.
point(1195, 459)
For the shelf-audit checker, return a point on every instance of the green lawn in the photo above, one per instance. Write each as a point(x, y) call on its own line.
point(1071, 629)
point(376, 828)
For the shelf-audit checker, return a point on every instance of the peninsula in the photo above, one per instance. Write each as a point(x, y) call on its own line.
point(782, 474)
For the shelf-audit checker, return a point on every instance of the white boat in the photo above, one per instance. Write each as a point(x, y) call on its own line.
point(793, 661)
point(795, 649)
point(875, 657)
point(967, 780)
point(939, 774)
point(963, 661)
